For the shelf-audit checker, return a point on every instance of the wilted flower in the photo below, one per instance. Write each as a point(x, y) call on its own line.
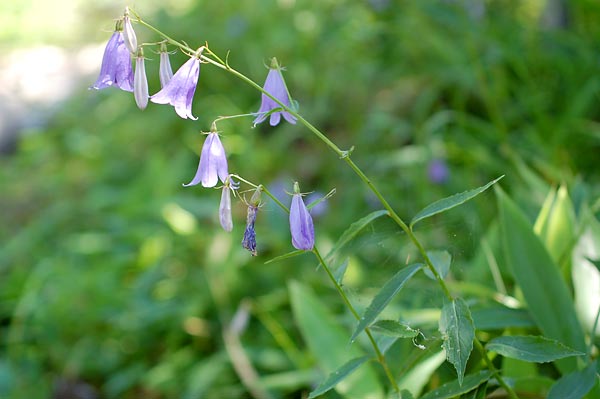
point(213, 163)
point(225, 206)
point(179, 92)
point(140, 82)
point(301, 224)
point(275, 85)
point(116, 67)
point(249, 240)
point(129, 33)
point(165, 73)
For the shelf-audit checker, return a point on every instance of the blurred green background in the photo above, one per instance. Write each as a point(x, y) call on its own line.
point(117, 282)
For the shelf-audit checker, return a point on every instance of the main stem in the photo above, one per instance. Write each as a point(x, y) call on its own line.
point(380, 356)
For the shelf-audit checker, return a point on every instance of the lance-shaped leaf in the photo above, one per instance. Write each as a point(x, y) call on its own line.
point(455, 388)
point(575, 385)
point(286, 256)
point(384, 296)
point(393, 328)
point(338, 375)
point(441, 260)
point(530, 348)
point(450, 202)
point(458, 332)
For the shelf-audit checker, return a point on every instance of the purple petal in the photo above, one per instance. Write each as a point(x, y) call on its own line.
point(213, 163)
point(116, 67)
point(275, 85)
point(301, 225)
point(225, 209)
point(179, 92)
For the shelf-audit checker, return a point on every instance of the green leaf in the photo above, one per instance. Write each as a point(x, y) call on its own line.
point(384, 296)
point(419, 375)
point(456, 387)
point(394, 328)
point(441, 260)
point(500, 317)
point(458, 332)
point(286, 256)
point(575, 385)
point(531, 348)
point(450, 202)
point(353, 230)
point(328, 342)
point(537, 275)
point(338, 375)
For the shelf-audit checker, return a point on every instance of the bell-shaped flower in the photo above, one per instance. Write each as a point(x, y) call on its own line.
point(179, 92)
point(116, 67)
point(274, 85)
point(128, 33)
point(301, 224)
point(225, 205)
point(165, 73)
point(140, 82)
point(213, 163)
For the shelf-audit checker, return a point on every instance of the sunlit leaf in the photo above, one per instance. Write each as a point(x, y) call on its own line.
point(458, 332)
point(450, 202)
point(530, 348)
point(384, 296)
point(338, 375)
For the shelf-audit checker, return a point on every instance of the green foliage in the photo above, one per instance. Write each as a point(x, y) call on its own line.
point(531, 348)
point(458, 332)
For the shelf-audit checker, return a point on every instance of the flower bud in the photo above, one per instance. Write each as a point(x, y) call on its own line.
point(140, 82)
point(129, 33)
point(165, 72)
point(301, 224)
point(225, 208)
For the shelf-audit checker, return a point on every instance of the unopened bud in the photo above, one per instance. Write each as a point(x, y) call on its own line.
point(129, 33)
point(140, 82)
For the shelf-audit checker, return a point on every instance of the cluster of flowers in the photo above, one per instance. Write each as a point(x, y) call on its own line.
point(178, 90)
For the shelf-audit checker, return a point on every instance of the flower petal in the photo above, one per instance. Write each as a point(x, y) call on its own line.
point(301, 225)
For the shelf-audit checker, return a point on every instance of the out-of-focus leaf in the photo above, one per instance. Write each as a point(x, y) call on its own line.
point(286, 256)
point(456, 387)
point(338, 375)
point(458, 332)
point(418, 376)
point(530, 348)
point(441, 261)
point(544, 289)
point(575, 385)
point(329, 343)
point(384, 296)
point(450, 202)
point(394, 328)
point(500, 317)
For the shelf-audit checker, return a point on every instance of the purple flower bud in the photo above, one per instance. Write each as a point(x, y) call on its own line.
point(249, 240)
point(213, 163)
point(140, 82)
point(438, 171)
point(274, 85)
point(116, 67)
point(129, 33)
point(225, 208)
point(179, 92)
point(165, 73)
point(301, 224)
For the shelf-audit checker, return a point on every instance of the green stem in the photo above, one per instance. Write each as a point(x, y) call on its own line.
point(511, 393)
point(338, 287)
point(264, 189)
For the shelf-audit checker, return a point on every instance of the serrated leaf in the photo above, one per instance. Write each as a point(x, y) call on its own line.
point(353, 230)
point(393, 328)
point(450, 202)
point(384, 296)
point(574, 385)
point(441, 260)
point(338, 375)
point(456, 387)
point(286, 256)
point(458, 332)
point(544, 290)
point(531, 348)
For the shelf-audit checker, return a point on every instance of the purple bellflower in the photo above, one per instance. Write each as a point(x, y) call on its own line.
point(225, 205)
point(301, 224)
point(116, 67)
point(165, 73)
point(140, 82)
point(275, 85)
point(213, 163)
point(179, 92)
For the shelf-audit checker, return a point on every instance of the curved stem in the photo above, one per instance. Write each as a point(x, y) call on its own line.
point(338, 287)
point(511, 393)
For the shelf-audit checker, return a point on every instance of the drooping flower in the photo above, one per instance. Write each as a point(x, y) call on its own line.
point(129, 33)
point(179, 92)
point(225, 205)
point(165, 73)
point(274, 85)
point(213, 163)
point(301, 224)
point(140, 82)
point(249, 240)
point(116, 67)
